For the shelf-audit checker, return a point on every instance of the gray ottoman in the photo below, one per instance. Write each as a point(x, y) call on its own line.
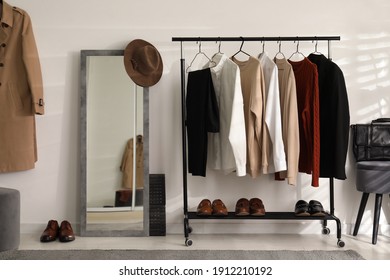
point(9, 219)
point(372, 177)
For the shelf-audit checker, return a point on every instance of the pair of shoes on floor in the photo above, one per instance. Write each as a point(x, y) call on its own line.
point(206, 208)
point(313, 208)
point(53, 231)
point(253, 207)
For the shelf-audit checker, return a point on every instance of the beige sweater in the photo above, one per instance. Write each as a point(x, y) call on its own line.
point(253, 88)
point(290, 126)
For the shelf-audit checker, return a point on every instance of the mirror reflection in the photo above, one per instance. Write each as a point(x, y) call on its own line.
point(114, 148)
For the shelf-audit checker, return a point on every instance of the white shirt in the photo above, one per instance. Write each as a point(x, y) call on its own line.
point(227, 149)
point(273, 120)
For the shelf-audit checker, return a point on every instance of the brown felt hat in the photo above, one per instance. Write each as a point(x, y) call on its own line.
point(143, 63)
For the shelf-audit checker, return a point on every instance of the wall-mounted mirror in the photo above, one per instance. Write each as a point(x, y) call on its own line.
point(114, 148)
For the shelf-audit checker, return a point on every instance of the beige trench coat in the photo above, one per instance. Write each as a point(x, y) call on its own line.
point(127, 164)
point(21, 90)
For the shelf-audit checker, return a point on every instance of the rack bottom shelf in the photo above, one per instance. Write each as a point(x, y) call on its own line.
point(267, 216)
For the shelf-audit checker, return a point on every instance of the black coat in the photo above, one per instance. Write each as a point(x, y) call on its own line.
point(334, 118)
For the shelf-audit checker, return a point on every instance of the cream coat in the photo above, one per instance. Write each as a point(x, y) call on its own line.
point(21, 93)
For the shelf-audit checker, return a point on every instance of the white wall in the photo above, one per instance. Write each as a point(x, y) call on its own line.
point(63, 28)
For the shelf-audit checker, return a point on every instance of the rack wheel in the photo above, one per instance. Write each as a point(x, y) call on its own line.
point(188, 242)
point(189, 229)
point(340, 243)
point(325, 231)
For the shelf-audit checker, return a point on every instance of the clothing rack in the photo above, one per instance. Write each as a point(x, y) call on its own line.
point(231, 215)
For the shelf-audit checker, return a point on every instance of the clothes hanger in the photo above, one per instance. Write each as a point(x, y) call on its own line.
point(240, 50)
point(280, 50)
point(263, 46)
point(202, 53)
point(315, 48)
point(297, 52)
point(219, 50)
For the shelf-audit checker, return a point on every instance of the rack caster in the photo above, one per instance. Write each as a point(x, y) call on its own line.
point(188, 228)
point(188, 242)
point(325, 231)
point(340, 243)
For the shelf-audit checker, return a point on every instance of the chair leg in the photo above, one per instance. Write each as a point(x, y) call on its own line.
point(377, 213)
point(362, 206)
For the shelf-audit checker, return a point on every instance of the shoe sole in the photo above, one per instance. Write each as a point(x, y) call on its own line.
point(242, 214)
point(66, 239)
point(257, 214)
point(303, 214)
point(45, 240)
point(318, 214)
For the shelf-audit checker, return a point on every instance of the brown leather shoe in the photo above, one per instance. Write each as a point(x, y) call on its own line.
point(66, 232)
point(219, 208)
point(242, 207)
point(256, 207)
point(51, 231)
point(204, 208)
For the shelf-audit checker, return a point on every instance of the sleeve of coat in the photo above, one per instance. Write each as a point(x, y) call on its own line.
point(342, 125)
point(127, 165)
point(316, 132)
point(274, 122)
point(292, 131)
point(32, 64)
point(237, 134)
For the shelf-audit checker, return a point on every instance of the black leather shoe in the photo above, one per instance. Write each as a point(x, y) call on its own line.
point(316, 208)
point(302, 208)
point(51, 231)
point(66, 232)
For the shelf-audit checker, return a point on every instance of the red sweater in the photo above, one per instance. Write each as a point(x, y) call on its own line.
point(306, 77)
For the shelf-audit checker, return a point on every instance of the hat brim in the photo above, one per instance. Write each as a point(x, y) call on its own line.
point(143, 80)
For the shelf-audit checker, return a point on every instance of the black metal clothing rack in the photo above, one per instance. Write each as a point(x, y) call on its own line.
point(231, 215)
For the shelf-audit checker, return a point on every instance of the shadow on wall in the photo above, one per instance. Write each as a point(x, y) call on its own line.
point(366, 66)
point(368, 77)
